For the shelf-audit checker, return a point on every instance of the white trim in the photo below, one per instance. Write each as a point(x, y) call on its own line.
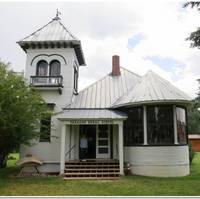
point(102, 155)
point(115, 141)
point(88, 121)
point(175, 125)
point(121, 151)
point(145, 124)
point(62, 149)
point(68, 142)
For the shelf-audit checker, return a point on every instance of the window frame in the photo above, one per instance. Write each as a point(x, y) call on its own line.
point(126, 110)
point(172, 125)
point(50, 68)
point(186, 127)
point(75, 86)
point(157, 145)
point(47, 139)
point(37, 68)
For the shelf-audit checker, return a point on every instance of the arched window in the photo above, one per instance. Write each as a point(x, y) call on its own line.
point(42, 67)
point(54, 68)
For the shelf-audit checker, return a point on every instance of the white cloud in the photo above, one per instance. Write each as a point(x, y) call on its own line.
point(104, 29)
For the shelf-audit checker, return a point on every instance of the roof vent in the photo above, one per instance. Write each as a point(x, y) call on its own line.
point(115, 65)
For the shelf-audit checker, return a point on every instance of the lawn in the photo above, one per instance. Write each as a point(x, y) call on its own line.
point(125, 186)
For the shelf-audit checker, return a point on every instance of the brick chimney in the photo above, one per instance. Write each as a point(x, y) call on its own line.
point(115, 65)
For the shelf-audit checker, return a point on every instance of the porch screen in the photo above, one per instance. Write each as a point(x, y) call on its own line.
point(133, 127)
point(160, 130)
point(181, 125)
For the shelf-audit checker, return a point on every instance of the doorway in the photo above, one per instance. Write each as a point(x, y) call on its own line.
point(87, 137)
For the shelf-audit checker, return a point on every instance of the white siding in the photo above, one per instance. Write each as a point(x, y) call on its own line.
point(160, 161)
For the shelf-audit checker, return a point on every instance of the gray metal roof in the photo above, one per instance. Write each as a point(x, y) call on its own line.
point(153, 89)
point(91, 114)
point(53, 31)
point(103, 93)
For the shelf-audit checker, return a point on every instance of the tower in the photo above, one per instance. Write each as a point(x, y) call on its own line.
point(52, 64)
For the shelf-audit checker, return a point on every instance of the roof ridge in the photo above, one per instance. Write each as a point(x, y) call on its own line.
point(69, 32)
point(36, 31)
point(168, 82)
point(134, 87)
point(155, 77)
point(100, 79)
point(108, 75)
point(130, 71)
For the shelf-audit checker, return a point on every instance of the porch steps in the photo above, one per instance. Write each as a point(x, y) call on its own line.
point(105, 170)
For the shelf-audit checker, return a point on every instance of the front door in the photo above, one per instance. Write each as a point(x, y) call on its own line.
point(103, 141)
point(87, 142)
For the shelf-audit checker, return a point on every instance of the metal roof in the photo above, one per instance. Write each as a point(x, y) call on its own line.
point(91, 114)
point(54, 32)
point(103, 93)
point(152, 89)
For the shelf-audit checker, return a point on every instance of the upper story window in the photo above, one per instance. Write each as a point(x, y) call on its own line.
point(54, 68)
point(75, 80)
point(47, 75)
point(181, 125)
point(160, 127)
point(42, 68)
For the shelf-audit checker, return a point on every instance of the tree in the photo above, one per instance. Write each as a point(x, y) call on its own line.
point(194, 118)
point(21, 110)
point(194, 36)
point(194, 115)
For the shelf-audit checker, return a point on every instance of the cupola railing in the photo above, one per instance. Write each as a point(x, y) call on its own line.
point(46, 81)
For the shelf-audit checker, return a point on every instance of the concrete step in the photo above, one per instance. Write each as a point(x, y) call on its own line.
point(89, 169)
point(91, 178)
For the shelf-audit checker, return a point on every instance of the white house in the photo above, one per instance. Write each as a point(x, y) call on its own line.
point(121, 118)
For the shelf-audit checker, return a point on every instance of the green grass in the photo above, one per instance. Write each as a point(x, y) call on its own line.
point(126, 186)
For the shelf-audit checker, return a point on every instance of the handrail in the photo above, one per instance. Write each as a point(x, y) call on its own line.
point(117, 152)
point(70, 150)
point(46, 80)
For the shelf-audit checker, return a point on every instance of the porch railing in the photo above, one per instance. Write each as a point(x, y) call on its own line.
point(46, 81)
point(69, 152)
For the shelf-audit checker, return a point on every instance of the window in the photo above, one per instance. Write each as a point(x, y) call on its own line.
point(41, 69)
point(181, 125)
point(45, 125)
point(75, 80)
point(54, 68)
point(133, 127)
point(160, 128)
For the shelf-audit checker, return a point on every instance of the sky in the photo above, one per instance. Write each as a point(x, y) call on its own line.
point(147, 35)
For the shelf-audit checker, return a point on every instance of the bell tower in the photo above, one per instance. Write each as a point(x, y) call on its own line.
point(54, 55)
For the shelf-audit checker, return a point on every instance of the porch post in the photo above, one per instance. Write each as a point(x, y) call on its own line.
point(62, 149)
point(121, 148)
point(145, 124)
point(175, 125)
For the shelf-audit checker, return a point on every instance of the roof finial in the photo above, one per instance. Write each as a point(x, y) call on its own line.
point(57, 15)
